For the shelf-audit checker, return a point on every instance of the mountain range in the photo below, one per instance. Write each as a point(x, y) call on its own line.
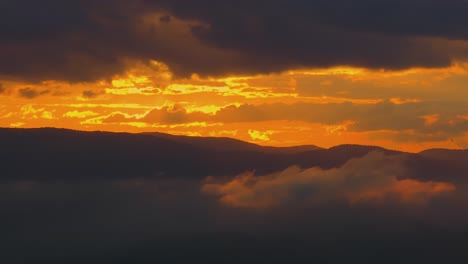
point(49, 153)
point(99, 197)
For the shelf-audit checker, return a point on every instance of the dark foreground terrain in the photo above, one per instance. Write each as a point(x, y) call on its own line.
point(96, 197)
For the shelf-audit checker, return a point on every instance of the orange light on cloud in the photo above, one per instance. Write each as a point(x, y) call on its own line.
point(147, 87)
point(408, 191)
point(262, 136)
point(431, 119)
point(371, 178)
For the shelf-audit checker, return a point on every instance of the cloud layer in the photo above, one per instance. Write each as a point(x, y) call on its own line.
point(84, 40)
point(415, 121)
point(374, 177)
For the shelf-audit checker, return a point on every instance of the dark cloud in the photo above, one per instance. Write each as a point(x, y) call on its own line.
point(31, 93)
point(83, 40)
point(165, 19)
point(399, 17)
point(2, 89)
point(388, 34)
point(60, 40)
point(90, 94)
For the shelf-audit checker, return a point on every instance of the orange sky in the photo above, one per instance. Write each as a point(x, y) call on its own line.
point(409, 110)
point(306, 78)
point(134, 75)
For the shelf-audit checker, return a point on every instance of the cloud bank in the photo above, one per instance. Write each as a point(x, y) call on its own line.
point(83, 40)
point(374, 177)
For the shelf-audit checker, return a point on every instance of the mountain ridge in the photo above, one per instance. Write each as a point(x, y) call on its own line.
point(50, 153)
point(240, 143)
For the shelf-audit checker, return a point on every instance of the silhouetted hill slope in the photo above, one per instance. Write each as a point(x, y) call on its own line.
point(44, 154)
point(98, 197)
point(446, 154)
point(230, 144)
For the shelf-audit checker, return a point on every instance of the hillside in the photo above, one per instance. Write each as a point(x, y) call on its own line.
point(40, 154)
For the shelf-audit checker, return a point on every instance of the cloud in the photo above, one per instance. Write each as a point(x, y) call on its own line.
point(122, 34)
point(260, 135)
point(324, 33)
point(395, 17)
point(31, 93)
point(174, 114)
point(84, 40)
point(382, 116)
point(126, 220)
point(79, 114)
point(165, 19)
point(90, 94)
point(365, 117)
point(401, 122)
point(2, 89)
point(371, 178)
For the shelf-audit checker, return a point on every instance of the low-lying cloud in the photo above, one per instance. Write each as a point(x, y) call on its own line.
point(374, 177)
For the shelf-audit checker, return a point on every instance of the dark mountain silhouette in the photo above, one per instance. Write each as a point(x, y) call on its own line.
point(49, 153)
point(230, 144)
point(99, 197)
point(446, 154)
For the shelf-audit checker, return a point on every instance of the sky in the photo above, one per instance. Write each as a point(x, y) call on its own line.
point(367, 81)
point(391, 73)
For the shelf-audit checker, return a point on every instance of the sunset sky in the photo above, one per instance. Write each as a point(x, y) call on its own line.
point(126, 131)
point(277, 72)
